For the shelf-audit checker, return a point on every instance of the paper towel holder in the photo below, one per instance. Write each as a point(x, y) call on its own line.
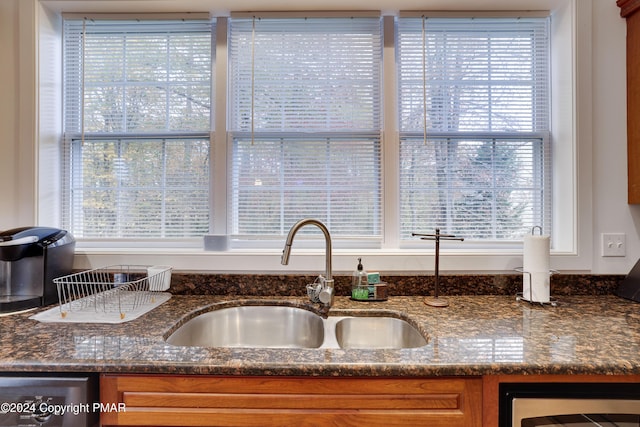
point(534, 228)
point(520, 296)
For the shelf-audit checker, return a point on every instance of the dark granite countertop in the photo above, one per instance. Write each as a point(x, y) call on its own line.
point(475, 335)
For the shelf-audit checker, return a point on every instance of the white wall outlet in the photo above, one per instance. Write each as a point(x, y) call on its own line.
point(614, 244)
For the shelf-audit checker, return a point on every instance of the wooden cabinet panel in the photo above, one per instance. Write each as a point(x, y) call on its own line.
point(629, 10)
point(173, 400)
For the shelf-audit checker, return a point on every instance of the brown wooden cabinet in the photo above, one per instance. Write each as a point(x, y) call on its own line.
point(630, 9)
point(182, 400)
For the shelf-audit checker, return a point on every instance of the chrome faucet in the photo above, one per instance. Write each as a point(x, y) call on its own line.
point(327, 290)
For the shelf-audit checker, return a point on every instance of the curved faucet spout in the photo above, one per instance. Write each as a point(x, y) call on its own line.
point(326, 296)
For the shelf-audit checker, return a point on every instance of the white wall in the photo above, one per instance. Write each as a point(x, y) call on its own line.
point(611, 213)
point(605, 185)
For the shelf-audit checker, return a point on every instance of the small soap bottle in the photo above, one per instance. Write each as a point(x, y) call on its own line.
point(359, 284)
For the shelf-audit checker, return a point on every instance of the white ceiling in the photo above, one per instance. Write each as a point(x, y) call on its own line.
point(223, 7)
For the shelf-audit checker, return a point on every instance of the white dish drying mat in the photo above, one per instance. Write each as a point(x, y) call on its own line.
point(95, 315)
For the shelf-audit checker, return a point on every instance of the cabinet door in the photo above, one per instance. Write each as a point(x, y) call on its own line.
point(630, 9)
point(175, 400)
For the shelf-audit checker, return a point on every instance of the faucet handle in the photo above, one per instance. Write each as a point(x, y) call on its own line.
point(327, 290)
point(326, 295)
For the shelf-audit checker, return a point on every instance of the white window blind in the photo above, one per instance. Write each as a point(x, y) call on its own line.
point(474, 126)
point(304, 114)
point(137, 120)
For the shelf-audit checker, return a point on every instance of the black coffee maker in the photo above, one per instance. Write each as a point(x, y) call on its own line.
point(30, 258)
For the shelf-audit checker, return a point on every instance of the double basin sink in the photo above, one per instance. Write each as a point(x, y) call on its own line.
point(274, 326)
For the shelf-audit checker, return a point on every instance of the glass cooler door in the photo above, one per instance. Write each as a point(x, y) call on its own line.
point(569, 404)
point(552, 412)
point(584, 420)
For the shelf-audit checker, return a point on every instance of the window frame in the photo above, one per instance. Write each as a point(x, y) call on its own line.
point(118, 31)
point(572, 89)
point(541, 151)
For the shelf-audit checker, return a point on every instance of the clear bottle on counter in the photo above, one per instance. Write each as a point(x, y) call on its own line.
point(359, 283)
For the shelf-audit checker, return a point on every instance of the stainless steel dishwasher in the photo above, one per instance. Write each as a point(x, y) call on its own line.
point(48, 400)
point(570, 405)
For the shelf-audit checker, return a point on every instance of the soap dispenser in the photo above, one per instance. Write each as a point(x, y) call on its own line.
point(359, 284)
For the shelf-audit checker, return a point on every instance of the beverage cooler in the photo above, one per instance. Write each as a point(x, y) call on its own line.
point(570, 405)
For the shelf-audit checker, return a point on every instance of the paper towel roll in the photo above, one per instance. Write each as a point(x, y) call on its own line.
point(536, 281)
point(536, 253)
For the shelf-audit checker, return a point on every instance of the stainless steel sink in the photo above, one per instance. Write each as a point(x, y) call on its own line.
point(252, 326)
point(274, 326)
point(377, 333)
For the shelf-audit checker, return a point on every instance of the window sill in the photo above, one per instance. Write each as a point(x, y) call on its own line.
point(260, 261)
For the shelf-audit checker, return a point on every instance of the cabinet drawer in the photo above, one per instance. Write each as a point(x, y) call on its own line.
point(172, 400)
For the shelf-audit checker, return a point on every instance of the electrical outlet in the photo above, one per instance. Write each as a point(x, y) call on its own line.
point(614, 244)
